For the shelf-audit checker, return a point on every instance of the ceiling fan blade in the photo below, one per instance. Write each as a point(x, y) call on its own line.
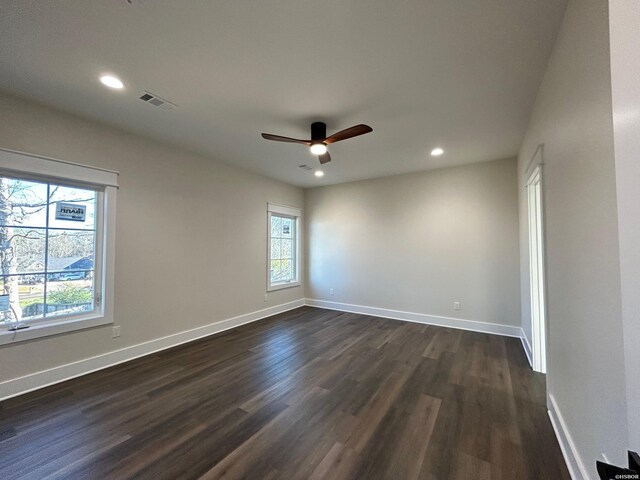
point(348, 133)
point(324, 158)
point(278, 138)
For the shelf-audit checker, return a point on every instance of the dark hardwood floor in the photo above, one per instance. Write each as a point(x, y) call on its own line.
point(308, 394)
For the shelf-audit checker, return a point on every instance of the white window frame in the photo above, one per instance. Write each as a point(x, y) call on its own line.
point(105, 182)
point(295, 214)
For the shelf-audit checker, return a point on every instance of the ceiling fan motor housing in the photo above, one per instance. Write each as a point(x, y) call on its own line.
point(318, 131)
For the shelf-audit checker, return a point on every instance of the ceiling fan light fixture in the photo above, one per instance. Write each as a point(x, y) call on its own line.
point(319, 140)
point(112, 81)
point(318, 149)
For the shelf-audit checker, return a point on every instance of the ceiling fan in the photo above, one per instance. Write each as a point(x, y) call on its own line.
point(319, 140)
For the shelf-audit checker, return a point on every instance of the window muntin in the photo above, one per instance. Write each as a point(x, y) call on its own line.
point(47, 264)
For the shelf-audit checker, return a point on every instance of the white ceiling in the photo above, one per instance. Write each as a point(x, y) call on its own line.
point(459, 74)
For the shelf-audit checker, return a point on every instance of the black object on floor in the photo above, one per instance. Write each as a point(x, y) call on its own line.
point(611, 472)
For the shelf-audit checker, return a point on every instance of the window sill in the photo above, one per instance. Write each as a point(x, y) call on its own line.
point(281, 286)
point(53, 327)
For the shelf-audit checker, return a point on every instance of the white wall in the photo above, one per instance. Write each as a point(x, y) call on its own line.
point(624, 21)
point(191, 235)
point(572, 117)
point(419, 242)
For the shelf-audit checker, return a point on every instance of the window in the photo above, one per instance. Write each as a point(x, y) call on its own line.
point(284, 247)
point(56, 247)
point(47, 250)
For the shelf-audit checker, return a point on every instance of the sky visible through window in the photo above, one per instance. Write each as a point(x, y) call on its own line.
point(47, 257)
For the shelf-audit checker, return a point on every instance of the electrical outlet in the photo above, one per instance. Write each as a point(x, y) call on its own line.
point(331, 291)
point(456, 305)
point(266, 297)
point(116, 331)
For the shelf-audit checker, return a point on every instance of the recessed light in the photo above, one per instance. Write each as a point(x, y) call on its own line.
point(318, 149)
point(436, 152)
point(112, 82)
point(319, 173)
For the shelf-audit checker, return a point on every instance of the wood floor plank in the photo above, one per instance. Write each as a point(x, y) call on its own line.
point(307, 394)
point(410, 432)
point(469, 467)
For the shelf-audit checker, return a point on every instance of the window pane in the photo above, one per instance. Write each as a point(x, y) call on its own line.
point(276, 226)
point(276, 248)
point(22, 250)
point(72, 207)
point(70, 295)
point(287, 228)
point(276, 271)
point(70, 250)
point(26, 297)
point(287, 250)
point(23, 203)
point(286, 270)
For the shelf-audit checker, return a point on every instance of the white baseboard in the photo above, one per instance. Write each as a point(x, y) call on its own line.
point(28, 383)
point(472, 325)
point(527, 347)
point(574, 463)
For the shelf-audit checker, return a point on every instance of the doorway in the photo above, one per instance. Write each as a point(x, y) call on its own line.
point(536, 269)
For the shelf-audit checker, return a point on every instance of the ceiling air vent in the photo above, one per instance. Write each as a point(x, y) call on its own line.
point(157, 101)
point(305, 167)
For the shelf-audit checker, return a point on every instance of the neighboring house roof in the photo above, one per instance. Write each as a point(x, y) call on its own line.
point(30, 266)
point(59, 264)
point(70, 263)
